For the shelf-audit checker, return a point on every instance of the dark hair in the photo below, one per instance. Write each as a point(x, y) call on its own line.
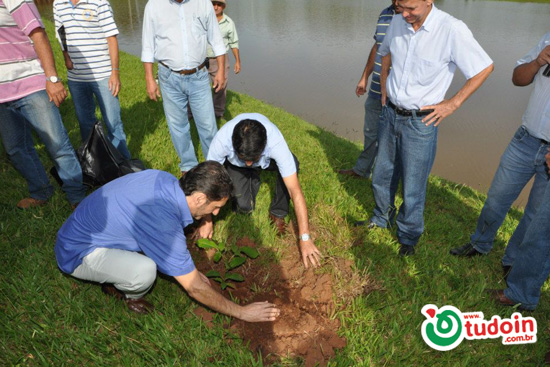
point(210, 178)
point(249, 139)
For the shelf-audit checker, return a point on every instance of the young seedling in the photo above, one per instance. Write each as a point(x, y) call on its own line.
point(234, 256)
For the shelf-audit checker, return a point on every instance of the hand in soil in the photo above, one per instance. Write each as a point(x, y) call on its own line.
point(260, 311)
point(310, 253)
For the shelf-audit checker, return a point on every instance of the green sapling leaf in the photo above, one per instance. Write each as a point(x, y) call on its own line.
point(250, 252)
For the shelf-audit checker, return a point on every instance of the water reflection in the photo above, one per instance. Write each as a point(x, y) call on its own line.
point(307, 57)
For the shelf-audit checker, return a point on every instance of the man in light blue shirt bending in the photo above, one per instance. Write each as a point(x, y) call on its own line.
point(176, 33)
point(249, 144)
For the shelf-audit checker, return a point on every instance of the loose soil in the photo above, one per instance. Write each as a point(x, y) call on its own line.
point(306, 328)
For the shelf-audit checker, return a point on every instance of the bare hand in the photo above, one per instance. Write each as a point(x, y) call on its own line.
point(361, 88)
point(544, 56)
point(548, 161)
point(153, 90)
point(260, 311)
point(69, 64)
point(310, 253)
point(56, 92)
point(206, 228)
point(219, 81)
point(237, 68)
point(114, 83)
point(440, 111)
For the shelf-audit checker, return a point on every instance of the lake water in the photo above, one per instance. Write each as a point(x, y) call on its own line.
point(307, 56)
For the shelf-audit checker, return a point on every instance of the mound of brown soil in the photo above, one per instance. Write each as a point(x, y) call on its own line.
point(305, 328)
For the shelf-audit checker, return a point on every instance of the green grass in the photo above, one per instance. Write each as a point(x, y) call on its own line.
point(50, 319)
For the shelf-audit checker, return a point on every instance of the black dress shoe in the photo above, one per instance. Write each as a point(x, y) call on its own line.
point(465, 251)
point(406, 250)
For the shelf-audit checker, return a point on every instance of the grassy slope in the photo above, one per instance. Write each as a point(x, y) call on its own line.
point(48, 318)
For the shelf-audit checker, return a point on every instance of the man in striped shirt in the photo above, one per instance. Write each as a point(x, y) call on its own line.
point(373, 107)
point(30, 93)
point(87, 33)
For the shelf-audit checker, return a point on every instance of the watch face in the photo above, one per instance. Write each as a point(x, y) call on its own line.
point(304, 237)
point(53, 79)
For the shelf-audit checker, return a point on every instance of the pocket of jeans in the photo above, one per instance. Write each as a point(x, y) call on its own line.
point(419, 127)
point(520, 133)
point(163, 73)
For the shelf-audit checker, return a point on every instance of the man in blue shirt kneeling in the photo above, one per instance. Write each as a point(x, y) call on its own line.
point(122, 233)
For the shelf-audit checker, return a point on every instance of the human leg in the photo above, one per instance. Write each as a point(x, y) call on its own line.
point(246, 184)
point(365, 162)
point(416, 150)
point(384, 173)
point(516, 168)
point(175, 101)
point(532, 264)
point(110, 110)
point(16, 136)
point(44, 117)
point(281, 199)
point(219, 97)
point(200, 99)
point(84, 105)
point(130, 272)
point(535, 200)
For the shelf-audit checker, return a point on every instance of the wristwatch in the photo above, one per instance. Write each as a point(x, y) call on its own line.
point(53, 79)
point(305, 237)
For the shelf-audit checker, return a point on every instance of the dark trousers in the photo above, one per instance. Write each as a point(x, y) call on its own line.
point(246, 183)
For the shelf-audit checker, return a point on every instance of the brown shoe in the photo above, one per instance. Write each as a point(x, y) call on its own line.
point(349, 172)
point(110, 290)
point(27, 203)
point(279, 223)
point(499, 297)
point(139, 305)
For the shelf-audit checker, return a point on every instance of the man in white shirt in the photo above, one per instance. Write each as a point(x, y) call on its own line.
point(176, 33)
point(524, 158)
point(424, 46)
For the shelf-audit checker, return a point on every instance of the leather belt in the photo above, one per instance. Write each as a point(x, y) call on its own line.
point(185, 72)
point(404, 112)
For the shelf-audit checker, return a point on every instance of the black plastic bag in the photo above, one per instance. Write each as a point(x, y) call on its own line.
point(101, 162)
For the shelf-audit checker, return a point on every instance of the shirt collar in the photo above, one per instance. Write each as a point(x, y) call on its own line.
point(177, 2)
point(430, 19)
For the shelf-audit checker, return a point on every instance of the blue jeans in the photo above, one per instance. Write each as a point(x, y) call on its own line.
point(83, 97)
point(406, 147)
point(532, 263)
point(36, 111)
point(179, 91)
point(522, 159)
point(363, 166)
